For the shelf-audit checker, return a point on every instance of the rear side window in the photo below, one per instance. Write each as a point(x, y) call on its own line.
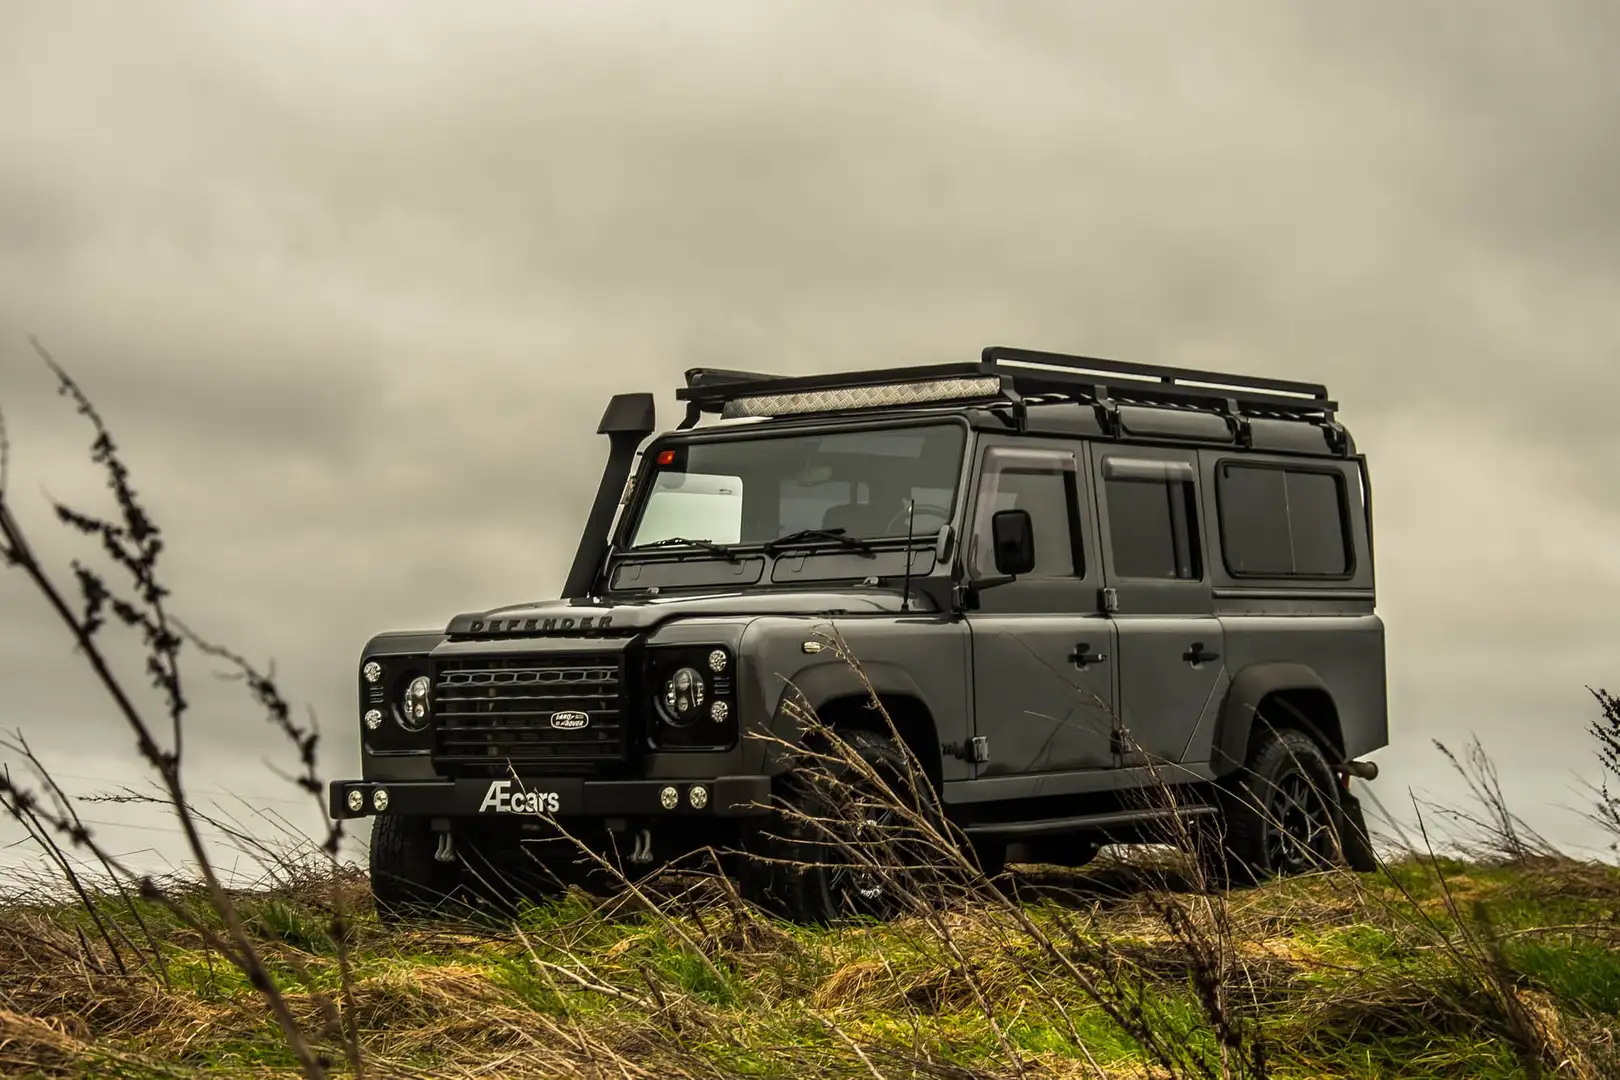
point(1152, 519)
point(1281, 522)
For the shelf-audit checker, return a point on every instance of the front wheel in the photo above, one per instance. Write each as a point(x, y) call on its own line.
point(838, 846)
point(1281, 814)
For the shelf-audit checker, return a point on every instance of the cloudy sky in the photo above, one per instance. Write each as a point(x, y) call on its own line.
point(352, 281)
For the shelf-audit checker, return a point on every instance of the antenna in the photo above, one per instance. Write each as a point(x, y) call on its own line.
point(911, 520)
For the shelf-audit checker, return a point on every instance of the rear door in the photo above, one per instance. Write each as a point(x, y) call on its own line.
point(1043, 672)
point(1172, 670)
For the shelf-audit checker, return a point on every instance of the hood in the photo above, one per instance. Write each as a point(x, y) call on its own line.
point(631, 616)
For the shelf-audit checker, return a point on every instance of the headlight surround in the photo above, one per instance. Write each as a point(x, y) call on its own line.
point(387, 714)
point(693, 698)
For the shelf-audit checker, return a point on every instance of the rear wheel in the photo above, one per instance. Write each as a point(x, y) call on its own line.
point(1281, 814)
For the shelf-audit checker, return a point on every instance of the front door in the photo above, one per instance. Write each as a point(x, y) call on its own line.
point(1172, 671)
point(1043, 652)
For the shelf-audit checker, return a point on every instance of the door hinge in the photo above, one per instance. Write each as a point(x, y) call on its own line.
point(1122, 746)
point(975, 752)
point(1109, 599)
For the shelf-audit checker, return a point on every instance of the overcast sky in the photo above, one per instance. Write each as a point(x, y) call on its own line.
point(351, 282)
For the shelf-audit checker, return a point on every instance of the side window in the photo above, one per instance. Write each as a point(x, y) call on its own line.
point(1279, 522)
point(1152, 519)
point(1043, 482)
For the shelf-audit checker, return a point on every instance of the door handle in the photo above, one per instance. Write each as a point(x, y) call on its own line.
point(1083, 655)
point(1196, 655)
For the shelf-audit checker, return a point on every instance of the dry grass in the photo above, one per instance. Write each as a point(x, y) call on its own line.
point(1342, 975)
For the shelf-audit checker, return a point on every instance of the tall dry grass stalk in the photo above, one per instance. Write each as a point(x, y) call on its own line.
point(133, 544)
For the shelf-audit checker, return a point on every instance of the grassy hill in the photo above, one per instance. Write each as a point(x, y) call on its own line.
point(1436, 968)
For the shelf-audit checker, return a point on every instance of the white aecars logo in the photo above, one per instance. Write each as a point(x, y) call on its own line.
point(501, 799)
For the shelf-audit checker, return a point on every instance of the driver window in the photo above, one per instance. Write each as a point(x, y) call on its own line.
point(1046, 484)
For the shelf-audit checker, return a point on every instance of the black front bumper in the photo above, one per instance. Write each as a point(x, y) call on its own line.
point(560, 797)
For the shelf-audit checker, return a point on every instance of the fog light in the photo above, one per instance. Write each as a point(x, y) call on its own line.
point(372, 671)
point(373, 719)
point(669, 798)
point(699, 796)
point(379, 800)
point(717, 661)
point(719, 712)
point(357, 800)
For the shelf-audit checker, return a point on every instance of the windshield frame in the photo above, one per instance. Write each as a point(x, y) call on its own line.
point(631, 513)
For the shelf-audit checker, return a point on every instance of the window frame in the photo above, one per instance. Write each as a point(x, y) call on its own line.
point(1346, 533)
point(639, 486)
point(1067, 461)
point(1114, 466)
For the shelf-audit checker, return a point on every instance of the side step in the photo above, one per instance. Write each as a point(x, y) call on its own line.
point(1084, 822)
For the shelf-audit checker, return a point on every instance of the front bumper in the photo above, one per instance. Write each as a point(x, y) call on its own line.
point(560, 797)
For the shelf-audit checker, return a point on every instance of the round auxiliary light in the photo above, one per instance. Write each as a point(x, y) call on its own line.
point(719, 712)
point(357, 800)
point(372, 671)
point(669, 798)
point(373, 719)
point(684, 695)
point(717, 661)
point(414, 709)
point(699, 795)
point(379, 800)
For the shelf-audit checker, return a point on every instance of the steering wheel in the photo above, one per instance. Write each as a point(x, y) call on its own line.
point(897, 524)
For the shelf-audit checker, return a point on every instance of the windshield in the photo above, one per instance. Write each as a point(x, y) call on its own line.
point(759, 489)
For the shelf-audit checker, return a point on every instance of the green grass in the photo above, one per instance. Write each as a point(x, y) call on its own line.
point(1334, 976)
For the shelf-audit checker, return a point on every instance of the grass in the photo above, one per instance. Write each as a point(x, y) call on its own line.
point(1343, 975)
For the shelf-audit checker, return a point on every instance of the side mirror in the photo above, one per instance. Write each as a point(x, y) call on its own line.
point(1012, 535)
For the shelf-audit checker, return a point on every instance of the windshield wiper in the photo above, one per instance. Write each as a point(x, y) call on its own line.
point(680, 541)
point(804, 536)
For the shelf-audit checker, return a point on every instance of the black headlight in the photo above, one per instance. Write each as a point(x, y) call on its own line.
point(694, 698)
point(415, 707)
point(685, 695)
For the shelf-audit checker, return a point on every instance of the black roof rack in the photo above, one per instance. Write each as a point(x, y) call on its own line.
point(1015, 377)
point(699, 376)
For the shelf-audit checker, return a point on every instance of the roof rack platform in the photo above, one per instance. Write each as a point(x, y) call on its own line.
point(1012, 377)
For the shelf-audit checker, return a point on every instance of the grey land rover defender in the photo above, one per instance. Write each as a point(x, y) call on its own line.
point(1067, 579)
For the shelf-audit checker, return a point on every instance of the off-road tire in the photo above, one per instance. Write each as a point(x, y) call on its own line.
point(794, 880)
point(1279, 815)
point(406, 881)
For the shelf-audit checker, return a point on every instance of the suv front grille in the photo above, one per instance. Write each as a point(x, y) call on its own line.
point(496, 711)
